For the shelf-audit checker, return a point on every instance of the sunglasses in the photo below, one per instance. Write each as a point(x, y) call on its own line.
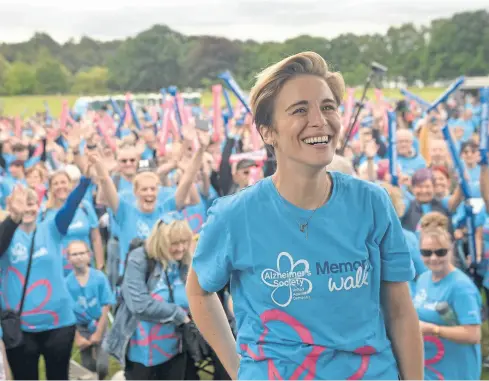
point(168, 218)
point(124, 161)
point(438, 252)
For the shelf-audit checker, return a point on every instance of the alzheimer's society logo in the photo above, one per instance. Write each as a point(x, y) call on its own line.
point(19, 253)
point(289, 281)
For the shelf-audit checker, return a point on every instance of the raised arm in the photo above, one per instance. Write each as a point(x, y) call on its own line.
point(67, 212)
point(106, 186)
point(188, 177)
point(16, 203)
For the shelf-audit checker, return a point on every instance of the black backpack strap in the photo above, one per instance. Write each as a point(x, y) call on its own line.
point(28, 272)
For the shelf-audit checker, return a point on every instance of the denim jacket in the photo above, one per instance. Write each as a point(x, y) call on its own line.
point(137, 304)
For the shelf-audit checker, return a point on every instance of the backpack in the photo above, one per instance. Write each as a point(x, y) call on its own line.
point(135, 244)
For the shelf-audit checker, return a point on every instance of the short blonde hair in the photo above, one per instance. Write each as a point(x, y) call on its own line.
point(434, 220)
point(271, 80)
point(161, 237)
point(396, 197)
point(434, 225)
point(145, 175)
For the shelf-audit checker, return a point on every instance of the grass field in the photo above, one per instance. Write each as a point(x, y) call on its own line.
point(28, 105)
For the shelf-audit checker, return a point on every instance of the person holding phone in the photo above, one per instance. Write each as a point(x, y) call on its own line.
point(449, 309)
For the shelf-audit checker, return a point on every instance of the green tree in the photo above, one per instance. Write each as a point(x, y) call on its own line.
point(93, 81)
point(4, 67)
point(52, 77)
point(20, 79)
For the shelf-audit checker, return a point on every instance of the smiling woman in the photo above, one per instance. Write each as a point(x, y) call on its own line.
point(271, 239)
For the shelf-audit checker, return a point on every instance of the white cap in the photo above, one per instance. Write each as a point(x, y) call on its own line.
point(73, 172)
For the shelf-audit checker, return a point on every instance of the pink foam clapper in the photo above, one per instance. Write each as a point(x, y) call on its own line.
point(68, 117)
point(258, 156)
point(18, 126)
point(216, 112)
point(181, 107)
point(105, 134)
point(153, 112)
point(255, 137)
point(166, 125)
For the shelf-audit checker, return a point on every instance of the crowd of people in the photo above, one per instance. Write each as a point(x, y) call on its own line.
point(202, 253)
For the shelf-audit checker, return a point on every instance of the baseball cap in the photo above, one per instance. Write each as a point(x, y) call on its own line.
point(245, 163)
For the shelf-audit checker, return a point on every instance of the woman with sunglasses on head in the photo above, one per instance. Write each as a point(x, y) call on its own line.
point(135, 220)
point(84, 225)
point(48, 321)
point(145, 336)
point(449, 308)
point(313, 256)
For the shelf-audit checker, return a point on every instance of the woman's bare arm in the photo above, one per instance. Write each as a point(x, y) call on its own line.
point(210, 317)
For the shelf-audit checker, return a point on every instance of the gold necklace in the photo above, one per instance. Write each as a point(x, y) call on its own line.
point(303, 227)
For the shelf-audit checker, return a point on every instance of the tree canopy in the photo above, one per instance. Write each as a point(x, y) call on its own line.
point(160, 57)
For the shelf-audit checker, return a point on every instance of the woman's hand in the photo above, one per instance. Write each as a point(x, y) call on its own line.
point(16, 203)
point(204, 139)
point(81, 342)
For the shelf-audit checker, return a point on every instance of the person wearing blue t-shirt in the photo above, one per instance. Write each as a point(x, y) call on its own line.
point(154, 306)
point(48, 321)
point(91, 293)
point(84, 226)
point(135, 220)
point(449, 310)
point(469, 152)
point(409, 159)
point(308, 252)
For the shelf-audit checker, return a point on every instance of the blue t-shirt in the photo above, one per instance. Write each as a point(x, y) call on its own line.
point(48, 304)
point(91, 298)
point(83, 223)
point(445, 359)
point(413, 245)
point(409, 165)
point(293, 296)
point(152, 343)
point(136, 224)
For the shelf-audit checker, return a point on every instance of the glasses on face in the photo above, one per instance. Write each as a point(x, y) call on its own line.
point(125, 161)
point(438, 252)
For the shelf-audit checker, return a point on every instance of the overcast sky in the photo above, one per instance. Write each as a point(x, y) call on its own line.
point(242, 19)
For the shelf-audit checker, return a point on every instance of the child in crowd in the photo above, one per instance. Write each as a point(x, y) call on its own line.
point(93, 298)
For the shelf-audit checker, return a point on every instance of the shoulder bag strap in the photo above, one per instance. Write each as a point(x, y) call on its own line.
point(28, 272)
